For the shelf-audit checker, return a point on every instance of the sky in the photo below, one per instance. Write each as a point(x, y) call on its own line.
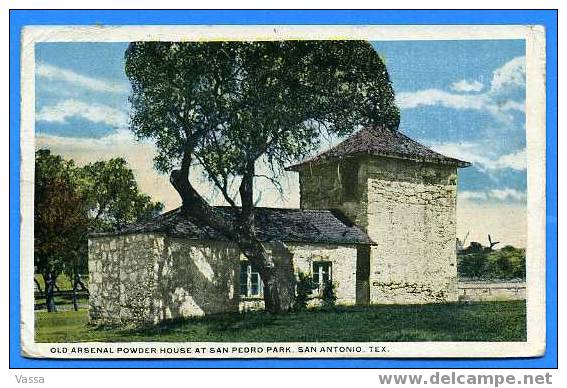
point(465, 99)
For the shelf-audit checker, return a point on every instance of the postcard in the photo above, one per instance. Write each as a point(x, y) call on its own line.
point(283, 191)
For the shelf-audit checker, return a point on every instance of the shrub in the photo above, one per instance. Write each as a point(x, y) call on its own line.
point(328, 296)
point(506, 263)
point(304, 288)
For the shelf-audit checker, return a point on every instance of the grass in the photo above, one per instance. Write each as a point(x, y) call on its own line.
point(483, 321)
point(63, 297)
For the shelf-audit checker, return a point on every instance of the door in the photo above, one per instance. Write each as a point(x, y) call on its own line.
point(363, 275)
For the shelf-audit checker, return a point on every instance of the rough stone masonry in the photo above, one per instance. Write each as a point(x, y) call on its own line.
point(377, 219)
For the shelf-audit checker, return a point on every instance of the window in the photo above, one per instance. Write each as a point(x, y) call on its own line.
point(349, 180)
point(250, 283)
point(321, 273)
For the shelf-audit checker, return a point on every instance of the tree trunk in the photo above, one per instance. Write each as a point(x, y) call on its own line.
point(74, 295)
point(276, 270)
point(279, 291)
point(50, 279)
point(38, 286)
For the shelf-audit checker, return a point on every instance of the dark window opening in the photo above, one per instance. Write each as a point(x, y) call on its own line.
point(321, 273)
point(349, 180)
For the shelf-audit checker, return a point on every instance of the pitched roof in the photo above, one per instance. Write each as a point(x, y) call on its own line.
point(287, 225)
point(378, 141)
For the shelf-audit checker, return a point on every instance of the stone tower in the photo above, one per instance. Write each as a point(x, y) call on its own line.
point(404, 196)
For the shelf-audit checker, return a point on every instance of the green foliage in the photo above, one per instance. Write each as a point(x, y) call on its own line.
point(304, 289)
point(328, 295)
point(60, 214)
point(234, 102)
point(113, 196)
point(506, 263)
point(70, 202)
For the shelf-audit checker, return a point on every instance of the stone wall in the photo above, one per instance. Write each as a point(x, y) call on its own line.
point(122, 281)
point(489, 291)
point(197, 278)
point(150, 277)
point(408, 210)
point(343, 266)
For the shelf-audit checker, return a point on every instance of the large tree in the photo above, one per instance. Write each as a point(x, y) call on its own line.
point(226, 106)
point(70, 202)
point(60, 219)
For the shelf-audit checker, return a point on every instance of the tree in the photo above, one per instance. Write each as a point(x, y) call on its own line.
point(508, 263)
point(478, 262)
point(114, 197)
point(71, 202)
point(228, 106)
point(60, 219)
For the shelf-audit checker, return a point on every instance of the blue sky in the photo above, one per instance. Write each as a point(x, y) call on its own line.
point(462, 98)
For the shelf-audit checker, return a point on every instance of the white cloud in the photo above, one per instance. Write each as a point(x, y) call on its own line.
point(511, 105)
point(515, 161)
point(140, 154)
point(505, 222)
point(511, 74)
point(506, 194)
point(428, 97)
point(473, 195)
point(473, 152)
point(97, 113)
point(120, 139)
point(467, 86)
point(50, 72)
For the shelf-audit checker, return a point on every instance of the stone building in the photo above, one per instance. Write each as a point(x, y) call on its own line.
point(377, 219)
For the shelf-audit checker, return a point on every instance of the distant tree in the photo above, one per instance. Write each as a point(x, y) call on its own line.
point(226, 106)
point(71, 202)
point(114, 198)
point(508, 263)
point(60, 219)
point(472, 265)
point(485, 263)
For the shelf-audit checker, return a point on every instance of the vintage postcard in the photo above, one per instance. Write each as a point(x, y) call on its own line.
point(283, 191)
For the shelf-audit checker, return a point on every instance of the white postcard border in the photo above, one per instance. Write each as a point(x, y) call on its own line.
point(536, 207)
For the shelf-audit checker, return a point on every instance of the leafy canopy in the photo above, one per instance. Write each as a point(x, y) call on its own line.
point(71, 201)
point(230, 103)
point(60, 213)
point(114, 199)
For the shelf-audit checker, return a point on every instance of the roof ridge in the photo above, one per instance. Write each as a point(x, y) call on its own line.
point(286, 224)
point(379, 141)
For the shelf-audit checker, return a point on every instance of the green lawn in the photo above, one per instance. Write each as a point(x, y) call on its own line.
point(486, 321)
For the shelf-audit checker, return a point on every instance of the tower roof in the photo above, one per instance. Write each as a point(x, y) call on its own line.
point(378, 141)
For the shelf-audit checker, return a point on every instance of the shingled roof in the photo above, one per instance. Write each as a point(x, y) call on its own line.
point(378, 141)
point(287, 225)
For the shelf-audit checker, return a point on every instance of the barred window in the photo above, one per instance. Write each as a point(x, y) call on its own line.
point(321, 272)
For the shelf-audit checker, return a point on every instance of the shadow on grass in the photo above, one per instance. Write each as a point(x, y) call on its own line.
point(487, 321)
